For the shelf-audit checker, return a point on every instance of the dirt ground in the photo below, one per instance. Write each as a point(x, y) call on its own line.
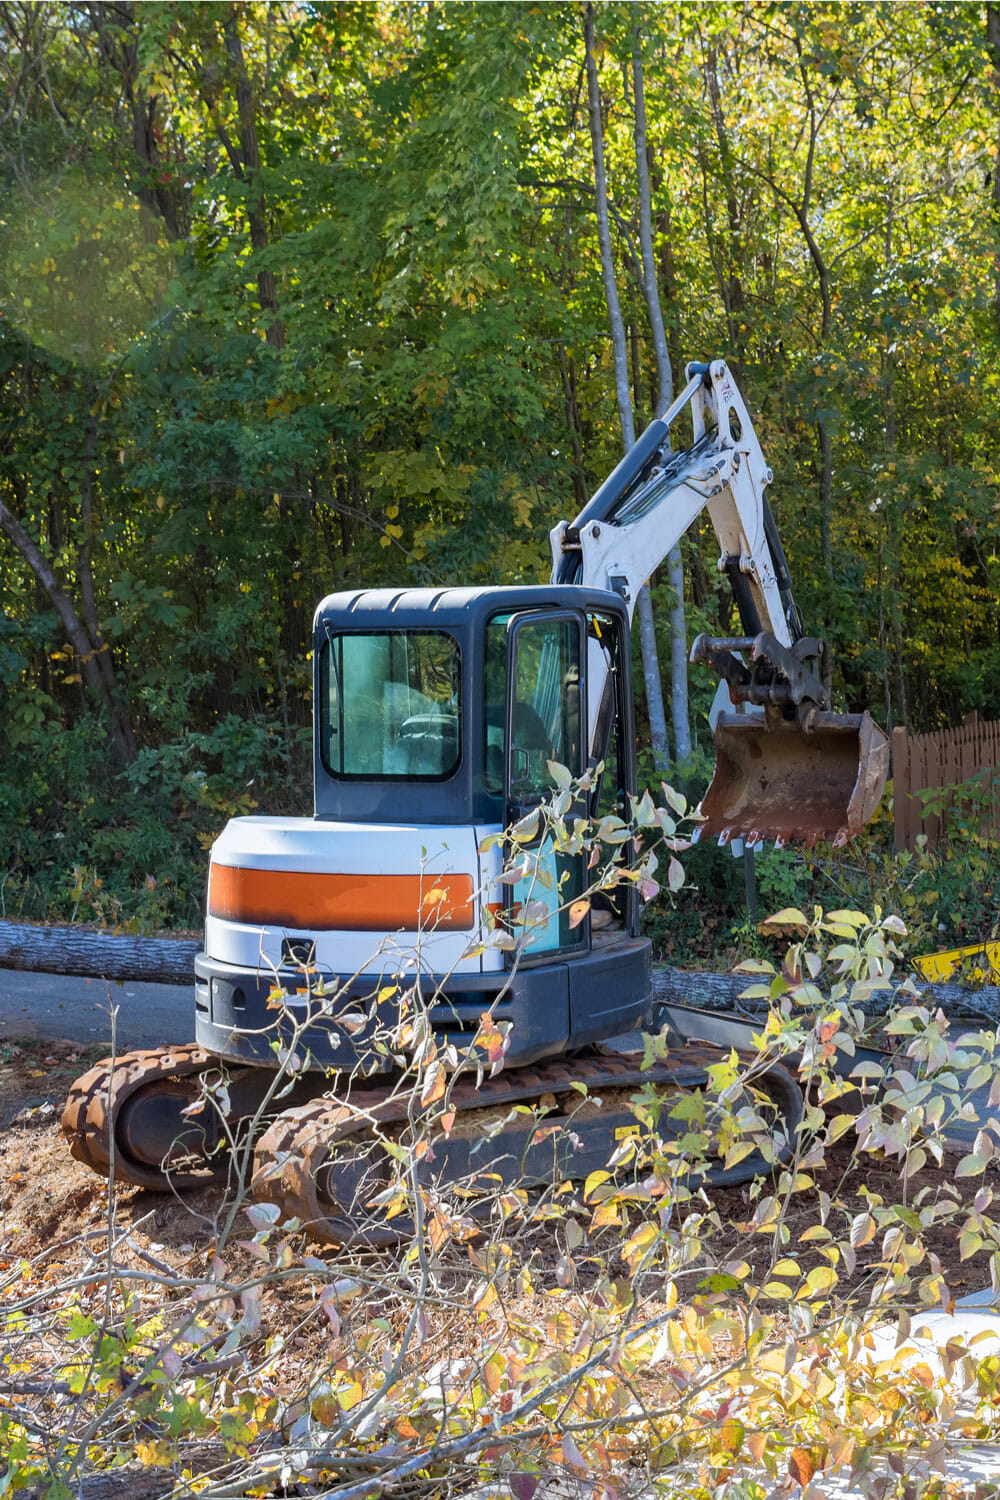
point(47, 1197)
point(51, 1206)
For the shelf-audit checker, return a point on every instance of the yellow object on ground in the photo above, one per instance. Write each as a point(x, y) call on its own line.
point(984, 958)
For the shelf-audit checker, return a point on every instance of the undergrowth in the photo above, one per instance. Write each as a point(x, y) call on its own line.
point(130, 852)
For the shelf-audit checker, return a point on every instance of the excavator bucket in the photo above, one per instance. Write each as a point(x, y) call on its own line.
point(776, 780)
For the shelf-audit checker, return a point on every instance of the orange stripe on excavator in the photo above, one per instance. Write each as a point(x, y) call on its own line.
point(344, 903)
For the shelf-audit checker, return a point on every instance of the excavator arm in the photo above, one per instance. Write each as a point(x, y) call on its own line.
point(786, 768)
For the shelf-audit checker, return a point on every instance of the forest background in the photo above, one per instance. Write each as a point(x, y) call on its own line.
point(305, 297)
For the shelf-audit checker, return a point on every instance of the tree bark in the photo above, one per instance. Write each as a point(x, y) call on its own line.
point(618, 343)
point(664, 396)
point(102, 651)
point(98, 677)
point(647, 634)
point(151, 186)
point(96, 954)
point(567, 375)
point(720, 993)
point(734, 295)
point(993, 46)
point(90, 952)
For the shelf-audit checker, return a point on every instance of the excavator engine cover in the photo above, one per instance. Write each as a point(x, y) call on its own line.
point(780, 779)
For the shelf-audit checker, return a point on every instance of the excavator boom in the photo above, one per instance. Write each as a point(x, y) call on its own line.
point(786, 768)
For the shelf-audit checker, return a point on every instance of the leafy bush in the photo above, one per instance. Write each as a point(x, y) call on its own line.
point(86, 845)
point(946, 897)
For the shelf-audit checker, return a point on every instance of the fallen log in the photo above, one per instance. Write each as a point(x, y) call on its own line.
point(721, 992)
point(96, 954)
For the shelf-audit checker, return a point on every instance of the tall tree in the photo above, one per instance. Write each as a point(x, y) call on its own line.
point(644, 609)
point(664, 396)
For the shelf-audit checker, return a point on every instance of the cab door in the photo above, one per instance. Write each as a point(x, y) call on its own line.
point(546, 720)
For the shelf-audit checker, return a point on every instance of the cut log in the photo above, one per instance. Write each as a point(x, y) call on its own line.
point(95, 954)
point(721, 992)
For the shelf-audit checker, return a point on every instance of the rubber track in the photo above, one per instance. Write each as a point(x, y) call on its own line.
point(290, 1154)
point(97, 1097)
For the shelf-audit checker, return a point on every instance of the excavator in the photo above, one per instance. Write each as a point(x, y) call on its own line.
point(400, 916)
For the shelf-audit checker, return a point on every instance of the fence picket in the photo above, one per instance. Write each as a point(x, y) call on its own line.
point(949, 757)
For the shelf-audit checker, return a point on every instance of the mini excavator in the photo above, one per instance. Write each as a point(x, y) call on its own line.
point(437, 713)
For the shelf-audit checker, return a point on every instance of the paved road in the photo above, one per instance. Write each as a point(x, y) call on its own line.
point(54, 1006)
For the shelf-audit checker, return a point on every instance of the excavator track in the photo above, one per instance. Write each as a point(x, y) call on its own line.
point(101, 1102)
point(315, 1164)
point(324, 1160)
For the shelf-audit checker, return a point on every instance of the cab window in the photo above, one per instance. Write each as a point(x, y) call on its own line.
point(390, 705)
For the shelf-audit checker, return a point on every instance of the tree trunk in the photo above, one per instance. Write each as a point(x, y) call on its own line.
point(721, 993)
point(679, 658)
point(664, 396)
point(567, 375)
point(89, 952)
point(96, 954)
point(993, 46)
point(647, 634)
point(250, 152)
point(735, 297)
point(98, 675)
point(618, 343)
point(151, 185)
point(102, 650)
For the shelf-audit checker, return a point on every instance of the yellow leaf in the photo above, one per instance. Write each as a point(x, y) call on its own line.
point(434, 1084)
point(593, 1182)
point(788, 916)
point(350, 1394)
point(772, 1361)
point(841, 1447)
point(485, 1297)
point(636, 1247)
point(325, 1410)
point(756, 1442)
point(154, 1454)
point(606, 1214)
point(820, 1279)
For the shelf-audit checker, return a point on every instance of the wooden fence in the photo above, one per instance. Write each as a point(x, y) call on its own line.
point(923, 762)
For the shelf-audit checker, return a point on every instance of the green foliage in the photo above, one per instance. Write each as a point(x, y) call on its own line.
point(380, 356)
point(84, 845)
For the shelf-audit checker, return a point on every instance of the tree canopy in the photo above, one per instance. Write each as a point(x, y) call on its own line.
point(297, 297)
